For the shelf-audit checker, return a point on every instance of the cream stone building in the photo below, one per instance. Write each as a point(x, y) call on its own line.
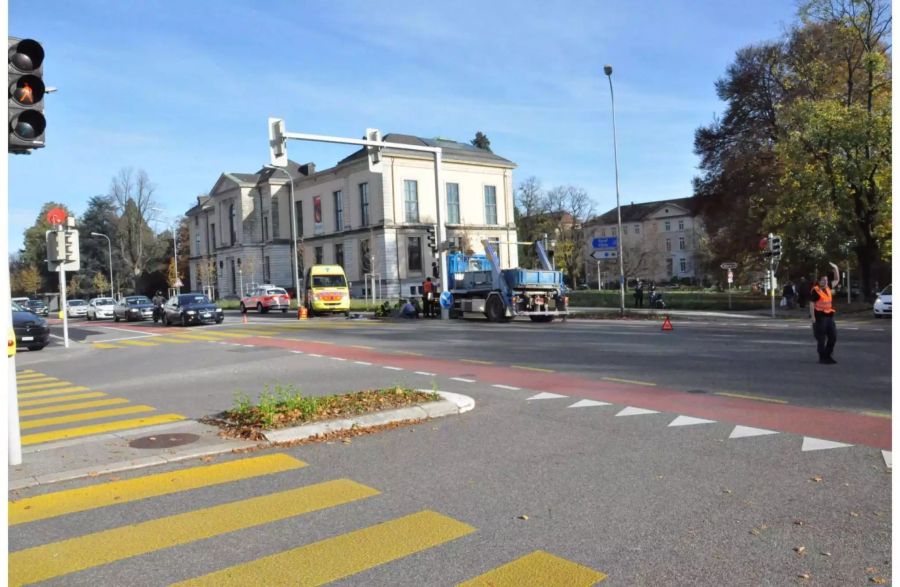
point(660, 240)
point(372, 224)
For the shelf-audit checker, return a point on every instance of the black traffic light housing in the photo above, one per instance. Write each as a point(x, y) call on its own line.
point(775, 245)
point(432, 240)
point(27, 124)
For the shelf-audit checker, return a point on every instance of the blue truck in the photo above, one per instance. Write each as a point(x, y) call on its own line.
point(479, 286)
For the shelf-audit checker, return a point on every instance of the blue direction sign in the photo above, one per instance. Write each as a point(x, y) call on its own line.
point(606, 242)
point(446, 300)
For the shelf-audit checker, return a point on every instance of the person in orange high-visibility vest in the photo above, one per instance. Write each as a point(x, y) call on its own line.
point(428, 297)
point(821, 313)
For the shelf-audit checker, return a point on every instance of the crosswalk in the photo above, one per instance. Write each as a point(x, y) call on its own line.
point(53, 409)
point(303, 563)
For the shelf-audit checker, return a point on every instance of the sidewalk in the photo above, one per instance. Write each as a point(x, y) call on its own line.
point(781, 314)
point(109, 453)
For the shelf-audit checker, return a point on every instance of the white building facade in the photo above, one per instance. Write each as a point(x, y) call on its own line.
point(372, 224)
point(660, 240)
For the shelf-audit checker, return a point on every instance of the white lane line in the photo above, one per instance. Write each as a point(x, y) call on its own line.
point(689, 421)
point(337, 358)
point(545, 395)
point(297, 352)
point(585, 403)
point(631, 411)
point(392, 368)
point(510, 387)
point(463, 379)
point(888, 459)
point(315, 355)
point(810, 443)
point(362, 363)
point(426, 373)
point(748, 431)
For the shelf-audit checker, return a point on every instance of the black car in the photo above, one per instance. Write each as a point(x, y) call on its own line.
point(37, 307)
point(32, 331)
point(133, 308)
point(192, 308)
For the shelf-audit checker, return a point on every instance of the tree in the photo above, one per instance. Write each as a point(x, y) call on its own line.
point(132, 195)
point(28, 280)
point(100, 217)
point(74, 287)
point(482, 142)
point(100, 283)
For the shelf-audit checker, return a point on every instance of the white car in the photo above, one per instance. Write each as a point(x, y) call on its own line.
point(100, 308)
point(882, 305)
point(76, 308)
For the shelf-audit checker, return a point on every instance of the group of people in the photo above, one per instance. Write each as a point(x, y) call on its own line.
point(410, 308)
point(639, 294)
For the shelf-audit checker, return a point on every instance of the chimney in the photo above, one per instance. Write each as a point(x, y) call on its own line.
point(308, 169)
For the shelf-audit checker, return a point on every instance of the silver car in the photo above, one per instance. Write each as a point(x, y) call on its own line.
point(101, 308)
point(76, 308)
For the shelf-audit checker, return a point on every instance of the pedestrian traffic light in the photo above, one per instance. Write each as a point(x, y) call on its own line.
point(775, 245)
point(374, 153)
point(26, 95)
point(56, 246)
point(432, 241)
point(277, 143)
point(71, 246)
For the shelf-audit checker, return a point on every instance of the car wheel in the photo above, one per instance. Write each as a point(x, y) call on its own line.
point(116, 317)
point(88, 316)
point(184, 321)
point(243, 308)
point(495, 311)
point(220, 320)
point(165, 319)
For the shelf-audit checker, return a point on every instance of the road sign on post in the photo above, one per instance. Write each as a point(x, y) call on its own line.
point(603, 255)
point(606, 242)
point(729, 265)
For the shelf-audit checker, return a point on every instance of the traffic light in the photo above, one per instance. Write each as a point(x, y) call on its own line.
point(432, 241)
point(374, 153)
point(775, 245)
point(26, 95)
point(277, 143)
point(71, 247)
point(56, 246)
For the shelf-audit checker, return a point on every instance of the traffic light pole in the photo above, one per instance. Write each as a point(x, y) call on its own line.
point(62, 304)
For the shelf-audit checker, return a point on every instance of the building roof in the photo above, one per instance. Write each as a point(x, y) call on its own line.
point(637, 212)
point(243, 177)
point(450, 150)
point(201, 201)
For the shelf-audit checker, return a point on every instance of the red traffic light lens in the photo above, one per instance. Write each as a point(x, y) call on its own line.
point(26, 55)
point(28, 90)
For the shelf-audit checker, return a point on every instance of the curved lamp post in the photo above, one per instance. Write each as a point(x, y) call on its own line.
point(607, 69)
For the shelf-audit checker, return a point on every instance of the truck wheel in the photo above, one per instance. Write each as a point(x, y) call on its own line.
point(542, 318)
point(495, 311)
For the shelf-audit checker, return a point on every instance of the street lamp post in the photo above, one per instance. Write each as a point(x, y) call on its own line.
point(109, 246)
point(607, 69)
point(294, 266)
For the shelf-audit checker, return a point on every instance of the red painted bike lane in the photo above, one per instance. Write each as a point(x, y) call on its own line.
point(826, 424)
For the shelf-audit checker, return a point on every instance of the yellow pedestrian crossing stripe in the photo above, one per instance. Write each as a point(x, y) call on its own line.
point(71, 407)
point(76, 554)
point(80, 431)
point(35, 387)
point(538, 568)
point(46, 506)
point(54, 400)
point(96, 415)
point(136, 342)
point(33, 378)
point(335, 558)
point(49, 392)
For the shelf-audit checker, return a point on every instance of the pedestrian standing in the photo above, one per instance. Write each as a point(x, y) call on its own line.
point(788, 294)
point(821, 313)
point(803, 292)
point(427, 297)
point(639, 294)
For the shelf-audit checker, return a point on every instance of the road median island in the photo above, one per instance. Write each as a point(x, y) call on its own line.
point(287, 416)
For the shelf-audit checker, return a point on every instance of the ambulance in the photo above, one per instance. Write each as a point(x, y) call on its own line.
point(327, 290)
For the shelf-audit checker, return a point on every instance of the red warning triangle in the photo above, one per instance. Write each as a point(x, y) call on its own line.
point(667, 325)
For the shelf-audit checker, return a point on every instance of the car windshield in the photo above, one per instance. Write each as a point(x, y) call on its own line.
point(134, 301)
point(17, 308)
point(276, 292)
point(193, 299)
point(104, 302)
point(36, 303)
point(886, 291)
point(76, 302)
point(329, 281)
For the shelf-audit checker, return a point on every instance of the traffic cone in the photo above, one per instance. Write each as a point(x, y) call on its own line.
point(302, 313)
point(667, 325)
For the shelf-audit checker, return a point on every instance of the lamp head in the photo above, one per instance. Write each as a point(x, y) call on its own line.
point(607, 69)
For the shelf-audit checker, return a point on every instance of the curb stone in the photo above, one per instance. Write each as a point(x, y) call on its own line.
point(452, 404)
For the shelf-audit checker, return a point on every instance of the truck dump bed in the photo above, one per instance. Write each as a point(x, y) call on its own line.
point(532, 278)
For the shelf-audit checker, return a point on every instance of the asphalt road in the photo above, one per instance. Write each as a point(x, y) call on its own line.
point(630, 496)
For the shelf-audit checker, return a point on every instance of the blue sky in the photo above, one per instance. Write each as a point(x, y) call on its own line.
point(183, 90)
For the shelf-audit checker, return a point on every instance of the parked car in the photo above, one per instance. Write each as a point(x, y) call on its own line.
point(133, 308)
point(37, 307)
point(882, 305)
point(20, 301)
point(192, 308)
point(100, 308)
point(76, 308)
point(265, 298)
point(32, 332)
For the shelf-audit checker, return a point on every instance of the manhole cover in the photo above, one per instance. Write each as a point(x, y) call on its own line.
point(163, 440)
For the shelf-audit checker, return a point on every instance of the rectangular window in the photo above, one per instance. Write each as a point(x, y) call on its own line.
point(683, 265)
point(298, 211)
point(452, 203)
point(495, 244)
point(276, 218)
point(490, 204)
point(668, 226)
point(602, 232)
point(624, 229)
point(681, 243)
point(364, 203)
point(613, 231)
point(196, 221)
point(338, 211)
point(265, 228)
point(414, 253)
point(267, 271)
point(320, 255)
point(668, 244)
point(681, 225)
point(213, 233)
point(411, 197)
point(339, 254)
point(197, 245)
point(231, 218)
point(637, 229)
point(669, 266)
